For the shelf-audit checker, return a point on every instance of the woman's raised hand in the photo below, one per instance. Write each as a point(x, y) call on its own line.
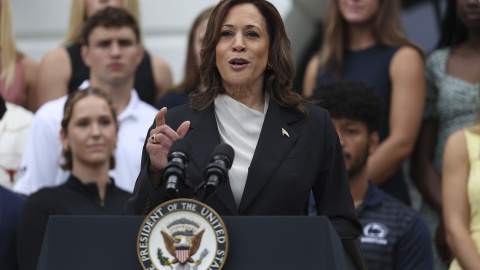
point(160, 140)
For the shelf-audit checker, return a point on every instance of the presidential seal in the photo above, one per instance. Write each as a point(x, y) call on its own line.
point(182, 234)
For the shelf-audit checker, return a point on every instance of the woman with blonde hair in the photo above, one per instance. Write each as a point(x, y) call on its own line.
point(62, 70)
point(364, 41)
point(18, 72)
point(80, 10)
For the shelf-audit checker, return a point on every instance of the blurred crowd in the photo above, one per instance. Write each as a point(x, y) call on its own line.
point(72, 127)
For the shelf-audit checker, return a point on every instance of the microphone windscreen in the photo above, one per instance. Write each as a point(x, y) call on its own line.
point(181, 145)
point(225, 150)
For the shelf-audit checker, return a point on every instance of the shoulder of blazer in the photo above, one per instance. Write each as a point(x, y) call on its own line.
point(176, 116)
point(315, 109)
point(315, 113)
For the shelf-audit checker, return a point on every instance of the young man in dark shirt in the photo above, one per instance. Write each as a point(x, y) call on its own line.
point(394, 236)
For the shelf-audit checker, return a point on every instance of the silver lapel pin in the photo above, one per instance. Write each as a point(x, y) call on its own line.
point(285, 133)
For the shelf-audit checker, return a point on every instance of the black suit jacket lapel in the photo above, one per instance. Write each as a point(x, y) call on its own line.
point(204, 136)
point(272, 147)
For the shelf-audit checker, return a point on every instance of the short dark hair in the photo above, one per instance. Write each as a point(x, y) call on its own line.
point(110, 17)
point(352, 100)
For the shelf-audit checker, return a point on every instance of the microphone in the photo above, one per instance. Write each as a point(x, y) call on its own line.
point(174, 170)
point(216, 172)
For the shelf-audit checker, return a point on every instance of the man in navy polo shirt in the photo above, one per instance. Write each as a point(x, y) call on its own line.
point(394, 235)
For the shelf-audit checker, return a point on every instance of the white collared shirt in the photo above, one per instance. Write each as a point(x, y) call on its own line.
point(40, 163)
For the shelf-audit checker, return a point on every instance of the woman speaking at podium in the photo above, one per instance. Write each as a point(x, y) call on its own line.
point(284, 148)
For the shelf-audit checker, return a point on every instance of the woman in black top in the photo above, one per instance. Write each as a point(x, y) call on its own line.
point(89, 135)
point(364, 41)
point(284, 148)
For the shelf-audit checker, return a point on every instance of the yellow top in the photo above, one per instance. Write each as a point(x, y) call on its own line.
point(473, 146)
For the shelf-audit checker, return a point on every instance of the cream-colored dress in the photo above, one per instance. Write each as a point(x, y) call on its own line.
point(473, 189)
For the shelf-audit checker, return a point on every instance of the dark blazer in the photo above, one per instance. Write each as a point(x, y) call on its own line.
point(283, 172)
point(11, 209)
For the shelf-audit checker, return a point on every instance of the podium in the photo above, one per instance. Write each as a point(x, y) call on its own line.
point(255, 242)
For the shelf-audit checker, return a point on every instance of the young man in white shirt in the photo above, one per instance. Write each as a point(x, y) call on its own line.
point(112, 51)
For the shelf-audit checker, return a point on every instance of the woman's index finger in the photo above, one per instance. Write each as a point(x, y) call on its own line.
point(160, 117)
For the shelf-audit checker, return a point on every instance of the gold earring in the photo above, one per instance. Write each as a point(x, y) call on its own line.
point(66, 150)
